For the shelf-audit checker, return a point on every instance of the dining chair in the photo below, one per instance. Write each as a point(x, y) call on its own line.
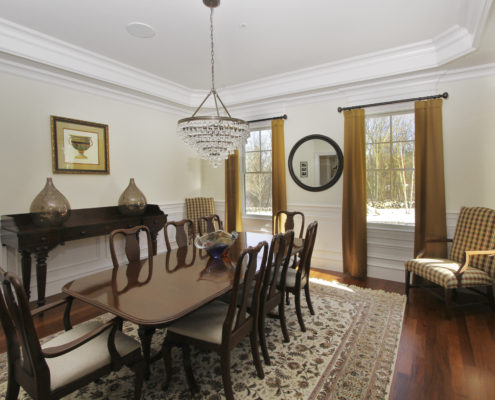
point(289, 219)
point(132, 248)
point(184, 232)
point(209, 223)
point(298, 278)
point(71, 360)
point(471, 262)
point(219, 326)
point(199, 207)
point(273, 288)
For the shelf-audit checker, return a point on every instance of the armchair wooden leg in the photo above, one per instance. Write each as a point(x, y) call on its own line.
point(448, 293)
point(298, 310)
point(283, 321)
point(253, 338)
point(491, 299)
point(186, 358)
point(139, 372)
point(12, 388)
point(167, 360)
point(308, 299)
point(408, 280)
point(225, 367)
point(262, 338)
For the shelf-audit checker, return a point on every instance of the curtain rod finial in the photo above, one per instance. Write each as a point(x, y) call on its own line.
point(339, 109)
point(445, 95)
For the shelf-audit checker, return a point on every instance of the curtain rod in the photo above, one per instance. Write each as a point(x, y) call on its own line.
point(444, 95)
point(268, 119)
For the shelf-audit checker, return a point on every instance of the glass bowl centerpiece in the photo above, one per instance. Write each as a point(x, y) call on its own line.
point(216, 243)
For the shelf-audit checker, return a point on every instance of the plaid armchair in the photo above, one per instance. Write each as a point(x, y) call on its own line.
point(197, 207)
point(471, 263)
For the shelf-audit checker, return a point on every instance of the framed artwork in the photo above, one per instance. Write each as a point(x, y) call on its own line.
point(79, 147)
point(303, 169)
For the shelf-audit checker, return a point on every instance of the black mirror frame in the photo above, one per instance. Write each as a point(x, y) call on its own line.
point(337, 175)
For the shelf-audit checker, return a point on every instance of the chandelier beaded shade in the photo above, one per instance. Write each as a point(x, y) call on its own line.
point(213, 137)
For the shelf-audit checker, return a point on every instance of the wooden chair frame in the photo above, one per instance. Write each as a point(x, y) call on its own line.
point(210, 224)
point(303, 269)
point(132, 249)
point(237, 325)
point(289, 221)
point(182, 238)
point(449, 293)
point(26, 359)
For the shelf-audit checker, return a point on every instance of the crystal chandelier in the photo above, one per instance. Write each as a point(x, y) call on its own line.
point(214, 137)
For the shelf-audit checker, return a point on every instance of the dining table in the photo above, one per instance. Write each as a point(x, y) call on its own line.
point(155, 293)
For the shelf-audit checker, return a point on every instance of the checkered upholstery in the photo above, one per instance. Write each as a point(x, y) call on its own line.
point(475, 230)
point(199, 207)
point(442, 272)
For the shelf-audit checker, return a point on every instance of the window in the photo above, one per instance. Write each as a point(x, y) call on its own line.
point(257, 170)
point(390, 168)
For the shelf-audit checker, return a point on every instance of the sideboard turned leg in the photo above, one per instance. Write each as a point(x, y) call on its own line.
point(41, 275)
point(26, 272)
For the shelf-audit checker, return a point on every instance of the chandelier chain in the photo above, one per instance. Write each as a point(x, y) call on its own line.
point(212, 51)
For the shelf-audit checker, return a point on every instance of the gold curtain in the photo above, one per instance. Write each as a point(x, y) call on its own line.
point(233, 205)
point(354, 246)
point(429, 178)
point(279, 193)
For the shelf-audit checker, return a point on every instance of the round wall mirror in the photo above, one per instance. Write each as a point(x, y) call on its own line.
point(316, 162)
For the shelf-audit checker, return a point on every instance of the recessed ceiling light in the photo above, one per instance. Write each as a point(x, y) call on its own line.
point(140, 30)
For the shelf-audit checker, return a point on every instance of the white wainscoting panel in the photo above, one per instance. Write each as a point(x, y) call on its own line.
point(388, 247)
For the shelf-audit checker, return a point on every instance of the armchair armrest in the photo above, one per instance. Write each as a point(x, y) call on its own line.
point(49, 306)
point(56, 351)
point(469, 253)
point(421, 253)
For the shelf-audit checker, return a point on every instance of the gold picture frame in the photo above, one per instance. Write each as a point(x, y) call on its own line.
point(79, 147)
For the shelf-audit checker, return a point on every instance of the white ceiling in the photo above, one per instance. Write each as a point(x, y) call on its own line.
point(287, 46)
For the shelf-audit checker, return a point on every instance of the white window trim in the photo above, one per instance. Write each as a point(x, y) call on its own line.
point(386, 111)
point(242, 156)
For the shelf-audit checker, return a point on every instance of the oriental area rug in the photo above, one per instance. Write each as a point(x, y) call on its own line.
point(348, 352)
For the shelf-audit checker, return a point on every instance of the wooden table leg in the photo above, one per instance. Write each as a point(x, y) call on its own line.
point(41, 257)
point(145, 334)
point(26, 272)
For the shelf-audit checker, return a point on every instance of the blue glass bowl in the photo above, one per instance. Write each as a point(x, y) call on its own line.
point(215, 243)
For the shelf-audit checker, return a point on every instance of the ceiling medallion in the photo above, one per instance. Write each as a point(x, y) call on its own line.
point(213, 137)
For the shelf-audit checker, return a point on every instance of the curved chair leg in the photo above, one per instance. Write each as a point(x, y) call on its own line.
point(283, 321)
point(253, 338)
point(408, 282)
point(12, 389)
point(308, 299)
point(186, 358)
point(287, 300)
point(138, 386)
point(298, 310)
point(225, 367)
point(262, 338)
point(167, 360)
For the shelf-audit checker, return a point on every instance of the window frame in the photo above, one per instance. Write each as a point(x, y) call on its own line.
point(396, 226)
point(242, 156)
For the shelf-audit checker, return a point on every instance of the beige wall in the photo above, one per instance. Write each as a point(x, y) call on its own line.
point(143, 145)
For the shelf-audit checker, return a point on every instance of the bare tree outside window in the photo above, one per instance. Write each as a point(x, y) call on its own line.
point(258, 173)
point(390, 168)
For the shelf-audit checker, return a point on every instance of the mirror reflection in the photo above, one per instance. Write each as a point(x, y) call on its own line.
point(316, 162)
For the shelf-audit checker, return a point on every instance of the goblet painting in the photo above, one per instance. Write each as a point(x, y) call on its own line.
point(79, 146)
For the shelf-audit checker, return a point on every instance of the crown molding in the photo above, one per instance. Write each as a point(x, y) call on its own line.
point(30, 45)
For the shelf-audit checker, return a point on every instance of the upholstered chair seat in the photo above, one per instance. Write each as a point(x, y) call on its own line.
point(86, 359)
point(443, 272)
point(471, 262)
point(204, 324)
point(290, 280)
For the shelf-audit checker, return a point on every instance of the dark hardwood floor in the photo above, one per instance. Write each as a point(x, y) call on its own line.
point(443, 355)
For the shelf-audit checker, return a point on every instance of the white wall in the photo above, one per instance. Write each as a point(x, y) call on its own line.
point(469, 143)
point(143, 144)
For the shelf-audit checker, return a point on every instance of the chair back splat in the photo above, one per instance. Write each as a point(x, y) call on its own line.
point(289, 219)
point(132, 248)
point(184, 232)
point(209, 223)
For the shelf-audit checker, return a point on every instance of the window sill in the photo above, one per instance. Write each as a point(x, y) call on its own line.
point(254, 216)
point(378, 226)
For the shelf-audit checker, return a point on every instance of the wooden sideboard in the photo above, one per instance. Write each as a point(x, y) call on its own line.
point(19, 232)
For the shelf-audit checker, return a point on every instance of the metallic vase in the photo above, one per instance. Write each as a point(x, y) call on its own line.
point(49, 207)
point(132, 201)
